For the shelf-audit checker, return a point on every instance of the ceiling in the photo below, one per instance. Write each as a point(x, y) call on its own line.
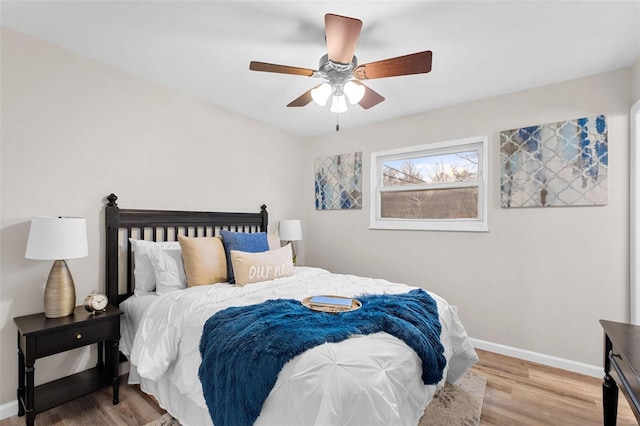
point(203, 48)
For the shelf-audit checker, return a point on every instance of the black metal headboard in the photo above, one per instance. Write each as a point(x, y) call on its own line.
point(161, 225)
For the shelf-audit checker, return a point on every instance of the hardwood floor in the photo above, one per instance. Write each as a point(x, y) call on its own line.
point(525, 393)
point(518, 393)
point(135, 409)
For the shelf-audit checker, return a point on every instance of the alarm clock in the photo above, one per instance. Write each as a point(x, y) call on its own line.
point(95, 302)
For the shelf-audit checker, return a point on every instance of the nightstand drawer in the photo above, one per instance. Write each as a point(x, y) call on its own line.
point(69, 339)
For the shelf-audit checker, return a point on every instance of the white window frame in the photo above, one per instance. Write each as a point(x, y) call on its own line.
point(477, 143)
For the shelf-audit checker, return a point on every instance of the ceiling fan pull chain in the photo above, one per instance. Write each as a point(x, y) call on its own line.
point(337, 122)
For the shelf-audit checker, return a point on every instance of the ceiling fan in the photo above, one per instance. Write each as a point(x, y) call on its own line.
point(341, 72)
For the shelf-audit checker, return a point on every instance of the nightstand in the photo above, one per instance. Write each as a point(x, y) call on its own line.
point(621, 368)
point(39, 336)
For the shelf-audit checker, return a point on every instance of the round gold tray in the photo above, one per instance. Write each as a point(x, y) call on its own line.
point(355, 304)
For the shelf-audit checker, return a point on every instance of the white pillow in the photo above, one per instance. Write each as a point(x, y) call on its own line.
point(168, 268)
point(143, 274)
point(274, 241)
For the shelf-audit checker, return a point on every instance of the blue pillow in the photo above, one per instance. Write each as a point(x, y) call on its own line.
point(252, 243)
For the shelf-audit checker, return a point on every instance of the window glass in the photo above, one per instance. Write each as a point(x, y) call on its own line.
point(438, 186)
point(456, 203)
point(457, 167)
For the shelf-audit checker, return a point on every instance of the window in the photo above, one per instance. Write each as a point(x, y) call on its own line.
point(439, 186)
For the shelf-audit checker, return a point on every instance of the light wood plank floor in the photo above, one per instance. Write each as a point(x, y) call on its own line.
point(525, 393)
point(97, 409)
point(518, 393)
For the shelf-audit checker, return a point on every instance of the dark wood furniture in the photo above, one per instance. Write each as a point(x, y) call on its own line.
point(621, 368)
point(39, 336)
point(161, 225)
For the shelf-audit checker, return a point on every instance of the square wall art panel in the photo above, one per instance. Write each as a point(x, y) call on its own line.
point(338, 182)
point(558, 164)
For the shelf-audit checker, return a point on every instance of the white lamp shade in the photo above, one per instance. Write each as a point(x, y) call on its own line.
point(338, 104)
point(55, 238)
point(321, 94)
point(290, 230)
point(354, 91)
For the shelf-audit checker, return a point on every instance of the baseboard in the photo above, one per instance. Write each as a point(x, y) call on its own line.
point(9, 409)
point(551, 361)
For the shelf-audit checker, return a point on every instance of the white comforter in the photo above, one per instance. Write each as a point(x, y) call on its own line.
point(365, 380)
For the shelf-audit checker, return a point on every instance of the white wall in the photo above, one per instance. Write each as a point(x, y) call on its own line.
point(74, 130)
point(542, 277)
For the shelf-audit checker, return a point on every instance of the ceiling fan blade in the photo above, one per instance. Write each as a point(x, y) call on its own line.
point(414, 63)
point(371, 98)
point(342, 35)
point(282, 69)
point(302, 100)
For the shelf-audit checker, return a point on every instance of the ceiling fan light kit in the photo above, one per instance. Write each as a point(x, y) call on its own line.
point(320, 94)
point(338, 105)
point(354, 91)
point(341, 72)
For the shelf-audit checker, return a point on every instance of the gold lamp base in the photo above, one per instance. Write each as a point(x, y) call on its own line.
point(59, 293)
point(293, 252)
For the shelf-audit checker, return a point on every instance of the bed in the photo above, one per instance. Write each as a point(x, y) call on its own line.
point(366, 379)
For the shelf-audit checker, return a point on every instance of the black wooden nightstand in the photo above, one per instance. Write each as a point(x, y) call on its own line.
point(621, 368)
point(39, 336)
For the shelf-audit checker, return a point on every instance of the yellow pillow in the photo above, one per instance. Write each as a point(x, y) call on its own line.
point(268, 265)
point(204, 260)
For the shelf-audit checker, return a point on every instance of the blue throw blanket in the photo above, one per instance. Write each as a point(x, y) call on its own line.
point(244, 348)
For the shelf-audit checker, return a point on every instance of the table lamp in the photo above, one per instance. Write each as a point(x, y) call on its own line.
point(58, 239)
point(290, 231)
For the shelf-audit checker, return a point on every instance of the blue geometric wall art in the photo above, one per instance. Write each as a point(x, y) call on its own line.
point(338, 182)
point(557, 164)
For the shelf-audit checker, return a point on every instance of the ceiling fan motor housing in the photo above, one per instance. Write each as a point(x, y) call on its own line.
point(336, 73)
